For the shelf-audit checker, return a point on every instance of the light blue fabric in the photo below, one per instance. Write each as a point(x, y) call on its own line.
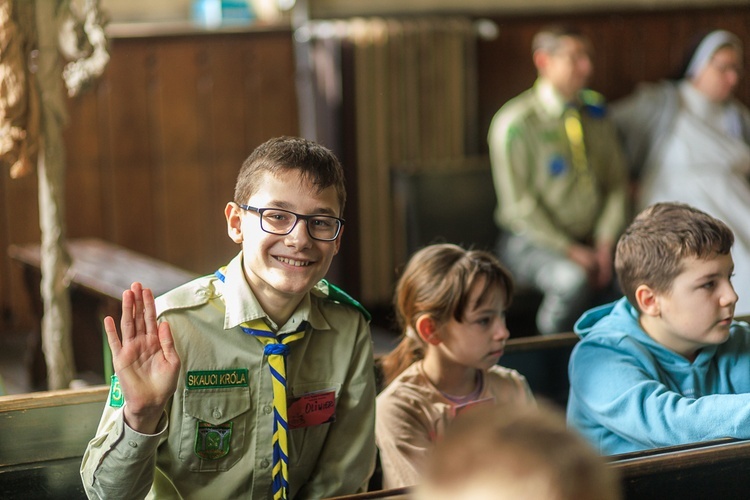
point(629, 393)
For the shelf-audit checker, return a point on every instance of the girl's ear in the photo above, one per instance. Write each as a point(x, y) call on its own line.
point(427, 329)
point(648, 301)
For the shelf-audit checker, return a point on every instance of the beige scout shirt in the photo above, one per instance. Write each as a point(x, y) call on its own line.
point(539, 193)
point(324, 460)
point(412, 414)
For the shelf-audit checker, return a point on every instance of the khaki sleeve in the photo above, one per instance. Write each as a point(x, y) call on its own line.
point(119, 462)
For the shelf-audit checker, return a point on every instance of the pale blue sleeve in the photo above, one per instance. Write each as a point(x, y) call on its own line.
point(621, 402)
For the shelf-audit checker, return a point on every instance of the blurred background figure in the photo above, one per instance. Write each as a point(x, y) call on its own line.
point(506, 452)
point(688, 140)
point(561, 183)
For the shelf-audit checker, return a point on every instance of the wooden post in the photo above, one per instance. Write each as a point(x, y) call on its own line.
point(56, 331)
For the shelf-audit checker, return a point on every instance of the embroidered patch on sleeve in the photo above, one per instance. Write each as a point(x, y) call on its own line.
point(116, 399)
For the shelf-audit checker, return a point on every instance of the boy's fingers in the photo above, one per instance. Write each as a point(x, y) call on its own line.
point(167, 344)
point(126, 321)
point(112, 338)
point(149, 312)
point(140, 325)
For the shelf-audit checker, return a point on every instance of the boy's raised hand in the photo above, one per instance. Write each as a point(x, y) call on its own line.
point(145, 360)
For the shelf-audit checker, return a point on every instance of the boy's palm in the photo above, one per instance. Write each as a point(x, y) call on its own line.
point(145, 360)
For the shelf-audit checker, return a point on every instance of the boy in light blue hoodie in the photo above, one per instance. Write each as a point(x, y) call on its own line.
point(666, 364)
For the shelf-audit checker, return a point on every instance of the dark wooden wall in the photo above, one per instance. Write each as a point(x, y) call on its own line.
point(154, 149)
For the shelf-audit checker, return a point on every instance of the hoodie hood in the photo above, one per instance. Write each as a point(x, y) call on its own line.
point(616, 322)
point(618, 316)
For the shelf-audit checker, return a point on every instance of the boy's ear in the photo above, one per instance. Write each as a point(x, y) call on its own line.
point(427, 329)
point(648, 301)
point(540, 59)
point(233, 214)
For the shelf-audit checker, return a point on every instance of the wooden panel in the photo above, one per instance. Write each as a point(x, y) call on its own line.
point(153, 149)
point(127, 166)
point(84, 173)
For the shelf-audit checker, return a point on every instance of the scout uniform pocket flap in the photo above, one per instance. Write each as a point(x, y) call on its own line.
point(216, 406)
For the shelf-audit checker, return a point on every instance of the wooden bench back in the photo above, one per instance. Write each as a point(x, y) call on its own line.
point(543, 360)
point(48, 425)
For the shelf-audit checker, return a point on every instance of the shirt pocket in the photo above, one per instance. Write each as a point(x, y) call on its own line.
point(307, 442)
point(214, 424)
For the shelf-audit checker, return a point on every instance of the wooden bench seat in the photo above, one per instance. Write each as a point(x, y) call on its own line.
point(99, 273)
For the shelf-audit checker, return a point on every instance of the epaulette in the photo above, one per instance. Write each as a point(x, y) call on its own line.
point(336, 294)
point(185, 296)
point(593, 103)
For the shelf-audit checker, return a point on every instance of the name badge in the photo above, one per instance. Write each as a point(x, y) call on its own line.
point(310, 409)
point(216, 379)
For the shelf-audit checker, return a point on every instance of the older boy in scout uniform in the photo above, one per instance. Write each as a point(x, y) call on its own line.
point(561, 182)
point(253, 382)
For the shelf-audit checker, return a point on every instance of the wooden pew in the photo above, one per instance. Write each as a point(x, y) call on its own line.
point(543, 360)
point(715, 469)
point(42, 439)
point(43, 436)
point(99, 273)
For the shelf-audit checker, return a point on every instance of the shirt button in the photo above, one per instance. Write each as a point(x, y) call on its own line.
point(217, 413)
point(267, 409)
point(132, 444)
point(264, 463)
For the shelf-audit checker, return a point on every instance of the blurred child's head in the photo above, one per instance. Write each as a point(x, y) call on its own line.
point(653, 249)
point(316, 164)
point(507, 452)
point(441, 282)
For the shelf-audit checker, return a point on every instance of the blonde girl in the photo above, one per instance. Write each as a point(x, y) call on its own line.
point(450, 304)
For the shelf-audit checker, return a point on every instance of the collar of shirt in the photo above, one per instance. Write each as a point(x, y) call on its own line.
point(242, 306)
point(552, 103)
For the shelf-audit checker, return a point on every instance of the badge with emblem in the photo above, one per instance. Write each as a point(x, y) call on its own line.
point(212, 441)
point(557, 165)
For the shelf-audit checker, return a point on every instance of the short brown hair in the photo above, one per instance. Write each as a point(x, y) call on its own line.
point(652, 249)
point(315, 163)
point(512, 451)
point(548, 38)
point(438, 281)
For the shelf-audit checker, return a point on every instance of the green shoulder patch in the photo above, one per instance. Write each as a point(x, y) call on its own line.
point(116, 399)
point(336, 294)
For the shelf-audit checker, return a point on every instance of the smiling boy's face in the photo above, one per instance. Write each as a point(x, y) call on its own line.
point(282, 268)
point(699, 308)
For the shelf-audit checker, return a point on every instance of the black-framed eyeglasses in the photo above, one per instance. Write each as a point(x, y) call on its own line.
point(281, 222)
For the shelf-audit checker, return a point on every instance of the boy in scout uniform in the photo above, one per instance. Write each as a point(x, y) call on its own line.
point(561, 182)
point(253, 382)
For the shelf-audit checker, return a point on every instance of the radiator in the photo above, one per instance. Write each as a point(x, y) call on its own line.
point(412, 103)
